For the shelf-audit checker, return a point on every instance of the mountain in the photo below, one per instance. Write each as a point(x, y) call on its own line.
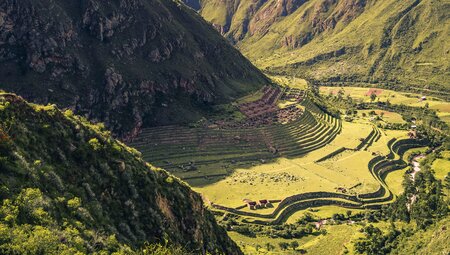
point(67, 186)
point(403, 42)
point(127, 63)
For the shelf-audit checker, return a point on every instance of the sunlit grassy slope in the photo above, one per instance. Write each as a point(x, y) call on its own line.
point(406, 41)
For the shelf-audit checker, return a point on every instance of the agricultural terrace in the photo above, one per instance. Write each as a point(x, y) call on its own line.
point(285, 156)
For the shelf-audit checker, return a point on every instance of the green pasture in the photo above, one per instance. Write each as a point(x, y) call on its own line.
point(394, 181)
point(395, 97)
point(323, 212)
point(441, 166)
point(390, 117)
point(332, 243)
point(338, 240)
point(285, 177)
point(444, 116)
point(316, 153)
point(289, 81)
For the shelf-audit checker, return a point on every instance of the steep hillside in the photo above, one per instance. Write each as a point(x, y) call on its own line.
point(127, 63)
point(66, 186)
point(435, 240)
point(336, 40)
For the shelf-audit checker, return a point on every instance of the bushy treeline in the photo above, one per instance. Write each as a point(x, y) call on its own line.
point(422, 204)
point(428, 122)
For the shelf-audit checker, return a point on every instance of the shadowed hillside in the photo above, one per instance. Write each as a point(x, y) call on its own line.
point(127, 63)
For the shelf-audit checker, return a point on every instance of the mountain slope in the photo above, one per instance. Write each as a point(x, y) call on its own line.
point(67, 186)
point(435, 240)
point(336, 40)
point(128, 63)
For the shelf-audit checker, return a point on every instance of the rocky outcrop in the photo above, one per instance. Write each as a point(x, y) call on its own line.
point(260, 16)
point(119, 61)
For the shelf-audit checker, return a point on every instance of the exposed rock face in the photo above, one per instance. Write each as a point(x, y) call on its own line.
point(261, 15)
point(119, 61)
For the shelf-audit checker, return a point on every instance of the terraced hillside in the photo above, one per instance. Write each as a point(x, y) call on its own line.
point(205, 152)
point(379, 167)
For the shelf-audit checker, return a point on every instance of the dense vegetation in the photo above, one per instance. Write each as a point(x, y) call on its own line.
point(67, 187)
point(424, 204)
point(127, 63)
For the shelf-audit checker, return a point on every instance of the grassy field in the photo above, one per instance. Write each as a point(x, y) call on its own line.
point(389, 117)
point(333, 243)
point(338, 240)
point(324, 212)
point(338, 159)
point(288, 81)
point(394, 97)
point(394, 179)
point(441, 166)
point(286, 176)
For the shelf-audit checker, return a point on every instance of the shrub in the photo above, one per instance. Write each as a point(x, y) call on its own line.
point(95, 144)
point(74, 203)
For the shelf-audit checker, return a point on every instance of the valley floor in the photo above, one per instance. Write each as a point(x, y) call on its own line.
point(354, 158)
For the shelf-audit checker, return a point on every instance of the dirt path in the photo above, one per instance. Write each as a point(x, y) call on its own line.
point(416, 165)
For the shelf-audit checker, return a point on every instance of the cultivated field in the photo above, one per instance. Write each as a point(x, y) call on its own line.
point(394, 97)
point(286, 151)
point(308, 161)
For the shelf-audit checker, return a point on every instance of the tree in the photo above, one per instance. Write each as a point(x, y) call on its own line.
point(294, 245)
point(447, 181)
point(349, 213)
point(283, 245)
point(269, 246)
point(341, 93)
point(373, 96)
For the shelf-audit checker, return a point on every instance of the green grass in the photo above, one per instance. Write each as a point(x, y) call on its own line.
point(413, 54)
point(55, 167)
point(324, 212)
point(394, 181)
point(434, 240)
point(441, 166)
point(289, 81)
point(338, 239)
point(389, 117)
point(346, 170)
